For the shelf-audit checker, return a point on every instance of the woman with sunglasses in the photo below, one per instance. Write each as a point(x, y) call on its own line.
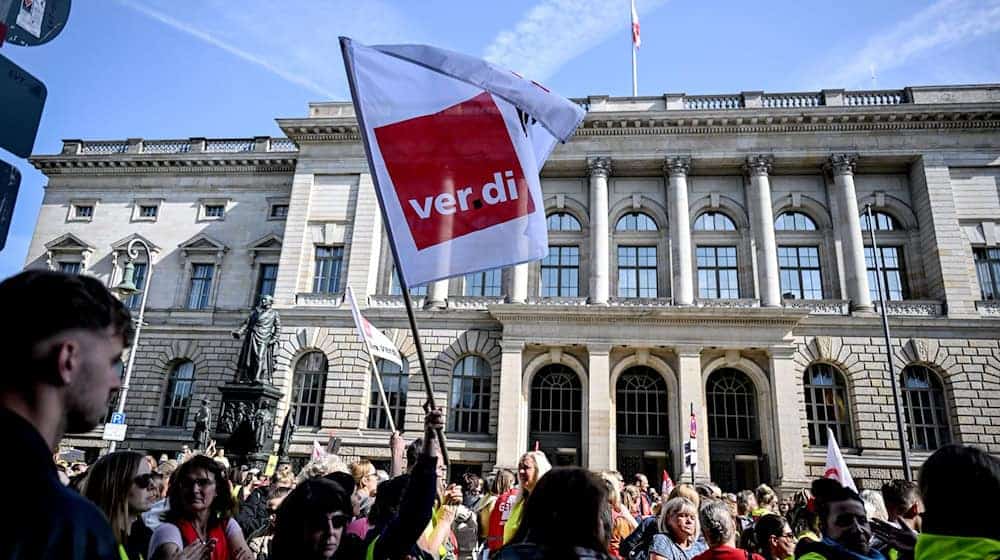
point(120, 484)
point(199, 524)
point(773, 538)
point(310, 523)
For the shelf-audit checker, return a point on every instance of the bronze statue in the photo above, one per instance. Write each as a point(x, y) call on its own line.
point(263, 426)
point(256, 362)
point(287, 431)
point(202, 431)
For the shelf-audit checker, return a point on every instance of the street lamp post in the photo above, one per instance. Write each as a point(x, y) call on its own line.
point(127, 288)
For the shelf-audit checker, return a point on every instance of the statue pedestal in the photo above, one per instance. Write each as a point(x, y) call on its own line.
point(238, 428)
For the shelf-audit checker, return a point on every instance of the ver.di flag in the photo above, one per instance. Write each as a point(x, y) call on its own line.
point(379, 344)
point(836, 468)
point(455, 144)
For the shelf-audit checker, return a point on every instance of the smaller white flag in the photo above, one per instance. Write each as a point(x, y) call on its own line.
point(318, 453)
point(636, 41)
point(379, 344)
point(836, 468)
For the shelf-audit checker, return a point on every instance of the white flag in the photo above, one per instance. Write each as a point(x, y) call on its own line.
point(836, 468)
point(378, 343)
point(318, 453)
point(456, 145)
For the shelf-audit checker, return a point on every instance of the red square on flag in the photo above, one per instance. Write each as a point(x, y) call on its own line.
point(455, 171)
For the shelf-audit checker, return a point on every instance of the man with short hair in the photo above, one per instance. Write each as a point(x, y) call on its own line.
point(62, 340)
point(904, 508)
point(645, 500)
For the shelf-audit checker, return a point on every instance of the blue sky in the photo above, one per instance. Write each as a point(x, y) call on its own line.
point(218, 68)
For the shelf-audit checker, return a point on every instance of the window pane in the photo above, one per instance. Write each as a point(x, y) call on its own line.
point(717, 273)
point(470, 395)
point(635, 221)
point(201, 285)
point(714, 221)
point(923, 402)
point(562, 221)
point(139, 278)
point(560, 272)
point(177, 398)
point(328, 263)
point(70, 267)
point(893, 273)
point(395, 382)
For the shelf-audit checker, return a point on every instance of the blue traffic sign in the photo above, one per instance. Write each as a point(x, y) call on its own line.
point(117, 418)
point(34, 22)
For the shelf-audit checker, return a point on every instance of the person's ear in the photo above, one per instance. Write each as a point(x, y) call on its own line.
point(66, 354)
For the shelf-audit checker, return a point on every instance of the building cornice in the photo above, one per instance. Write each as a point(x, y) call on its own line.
point(707, 317)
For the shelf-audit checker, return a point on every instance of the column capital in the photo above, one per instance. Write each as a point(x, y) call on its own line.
point(688, 350)
point(511, 346)
point(676, 165)
point(599, 349)
point(599, 166)
point(842, 164)
point(758, 164)
point(782, 352)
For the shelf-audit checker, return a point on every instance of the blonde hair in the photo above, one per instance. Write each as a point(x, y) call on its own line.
point(108, 483)
point(686, 491)
point(322, 467)
point(542, 464)
point(675, 506)
point(361, 469)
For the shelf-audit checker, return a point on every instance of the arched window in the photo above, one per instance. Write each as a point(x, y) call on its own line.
point(732, 410)
point(883, 222)
point(635, 221)
point(923, 404)
point(563, 221)
point(794, 221)
point(394, 381)
point(714, 221)
point(641, 403)
point(556, 401)
point(309, 384)
point(826, 405)
point(180, 384)
point(470, 396)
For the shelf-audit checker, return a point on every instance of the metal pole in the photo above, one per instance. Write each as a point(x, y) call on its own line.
point(123, 392)
point(694, 441)
point(904, 446)
point(363, 131)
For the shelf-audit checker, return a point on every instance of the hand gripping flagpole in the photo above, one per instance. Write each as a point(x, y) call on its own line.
point(429, 404)
point(904, 445)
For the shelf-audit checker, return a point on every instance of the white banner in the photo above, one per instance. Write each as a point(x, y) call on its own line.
point(836, 468)
point(456, 144)
point(378, 343)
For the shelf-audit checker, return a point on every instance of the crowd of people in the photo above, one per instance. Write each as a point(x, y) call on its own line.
point(66, 357)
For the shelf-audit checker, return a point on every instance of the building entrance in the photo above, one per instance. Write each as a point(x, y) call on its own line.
point(737, 459)
point(641, 427)
point(556, 414)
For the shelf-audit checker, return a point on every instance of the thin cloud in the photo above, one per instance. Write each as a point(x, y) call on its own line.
point(553, 32)
point(944, 24)
point(297, 43)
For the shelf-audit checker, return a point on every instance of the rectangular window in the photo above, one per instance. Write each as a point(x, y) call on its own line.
point(214, 210)
point(637, 272)
point(395, 291)
point(84, 211)
point(279, 211)
point(561, 272)
point(799, 270)
point(201, 286)
point(717, 273)
point(266, 280)
point(326, 279)
point(893, 273)
point(485, 283)
point(148, 211)
point(988, 271)
point(139, 278)
point(70, 267)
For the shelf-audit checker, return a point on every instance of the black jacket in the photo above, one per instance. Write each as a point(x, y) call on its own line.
point(253, 511)
point(399, 536)
point(42, 518)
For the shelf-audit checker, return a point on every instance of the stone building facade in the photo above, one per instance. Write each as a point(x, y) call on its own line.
point(707, 254)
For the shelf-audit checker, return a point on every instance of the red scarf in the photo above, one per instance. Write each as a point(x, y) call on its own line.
point(216, 531)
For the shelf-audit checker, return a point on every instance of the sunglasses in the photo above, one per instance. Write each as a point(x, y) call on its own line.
point(192, 482)
point(337, 521)
point(143, 480)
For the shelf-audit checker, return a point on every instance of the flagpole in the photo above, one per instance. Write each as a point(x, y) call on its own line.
point(904, 446)
point(635, 72)
point(363, 131)
point(635, 75)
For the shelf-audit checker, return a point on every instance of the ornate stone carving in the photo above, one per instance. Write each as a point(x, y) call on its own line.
point(823, 347)
point(820, 307)
point(920, 349)
point(676, 165)
point(988, 308)
point(743, 303)
point(911, 308)
point(599, 166)
point(758, 164)
point(842, 164)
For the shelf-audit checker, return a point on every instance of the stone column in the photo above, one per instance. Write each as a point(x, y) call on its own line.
point(437, 295)
point(599, 408)
point(510, 442)
point(692, 389)
point(785, 390)
point(676, 169)
point(519, 284)
point(599, 169)
point(762, 222)
point(855, 270)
